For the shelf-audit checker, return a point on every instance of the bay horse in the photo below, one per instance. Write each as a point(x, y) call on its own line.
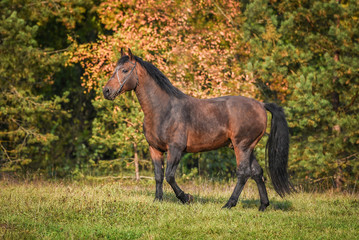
point(177, 123)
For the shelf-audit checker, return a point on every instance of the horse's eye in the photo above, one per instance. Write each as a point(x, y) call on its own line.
point(124, 70)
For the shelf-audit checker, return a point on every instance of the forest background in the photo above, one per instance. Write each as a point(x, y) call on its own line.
point(56, 56)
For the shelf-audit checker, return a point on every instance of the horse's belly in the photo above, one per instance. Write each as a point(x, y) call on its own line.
point(206, 142)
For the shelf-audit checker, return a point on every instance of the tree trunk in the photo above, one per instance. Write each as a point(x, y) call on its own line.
point(336, 103)
point(137, 172)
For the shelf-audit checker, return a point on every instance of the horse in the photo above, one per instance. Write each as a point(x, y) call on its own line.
point(177, 123)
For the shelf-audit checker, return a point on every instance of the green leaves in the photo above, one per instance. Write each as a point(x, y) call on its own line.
point(55, 58)
point(31, 113)
point(308, 45)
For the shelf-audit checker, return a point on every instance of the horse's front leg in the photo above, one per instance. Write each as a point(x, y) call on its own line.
point(173, 158)
point(157, 158)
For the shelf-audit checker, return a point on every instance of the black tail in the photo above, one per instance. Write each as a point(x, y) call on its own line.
point(277, 149)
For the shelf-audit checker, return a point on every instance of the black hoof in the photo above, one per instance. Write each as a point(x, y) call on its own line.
point(157, 199)
point(226, 206)
point(190, 198)
point(263, 207)
point(185, 198)
point(229, 204)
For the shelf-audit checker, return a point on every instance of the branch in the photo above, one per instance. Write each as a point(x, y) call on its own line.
point(57, 51)
point(351, 102)
point(4, 149)
point(345, 159)
point(123, 177)
point(227, 17)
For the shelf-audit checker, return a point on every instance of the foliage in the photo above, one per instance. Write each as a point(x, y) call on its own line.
point(34, 95)
point(56, 56)
point(307, 57)
point(28, 117)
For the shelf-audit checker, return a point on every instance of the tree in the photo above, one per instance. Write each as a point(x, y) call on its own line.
point(33, 100)
point(305, 55)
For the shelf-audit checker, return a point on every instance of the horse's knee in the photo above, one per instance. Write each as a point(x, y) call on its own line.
point(158, 178)
point(256, 169)
point(170, 178)
point(257, 172)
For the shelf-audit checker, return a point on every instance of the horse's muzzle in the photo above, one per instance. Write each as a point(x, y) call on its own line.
point(107, 93)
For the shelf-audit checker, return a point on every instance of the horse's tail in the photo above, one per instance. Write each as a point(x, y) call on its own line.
point(277, 149)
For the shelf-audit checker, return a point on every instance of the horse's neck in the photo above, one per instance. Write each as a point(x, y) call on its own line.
point(151, 97)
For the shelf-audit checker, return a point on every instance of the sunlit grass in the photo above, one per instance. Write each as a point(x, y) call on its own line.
point(125, 210)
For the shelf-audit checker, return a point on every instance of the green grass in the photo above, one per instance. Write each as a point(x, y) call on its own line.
point(125, 210)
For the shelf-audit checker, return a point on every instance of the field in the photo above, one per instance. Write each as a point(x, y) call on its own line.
point(125, 210)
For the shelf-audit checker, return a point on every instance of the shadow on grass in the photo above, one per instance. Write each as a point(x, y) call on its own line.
point(284, 205)
point(171, 197)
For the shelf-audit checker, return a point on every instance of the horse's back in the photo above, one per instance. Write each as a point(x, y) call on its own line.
point(213, 123)
point(238, 107)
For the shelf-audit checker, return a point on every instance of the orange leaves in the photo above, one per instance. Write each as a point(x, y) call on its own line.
point(97, 59)
point(279, 84)
point(192, 44)
point(271, 33)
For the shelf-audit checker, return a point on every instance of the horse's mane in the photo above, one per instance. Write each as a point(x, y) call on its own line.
point(161, 80)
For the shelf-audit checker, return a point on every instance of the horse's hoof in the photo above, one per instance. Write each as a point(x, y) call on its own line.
point(185, 198)
point(229, 205)
point(190, 199)
point(226, 206)
point(157, 199)
point(263, 207)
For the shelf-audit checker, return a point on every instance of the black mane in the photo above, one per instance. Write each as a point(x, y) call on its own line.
point(161, 80)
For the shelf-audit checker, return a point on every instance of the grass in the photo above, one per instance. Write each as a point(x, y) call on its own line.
point(125, 210)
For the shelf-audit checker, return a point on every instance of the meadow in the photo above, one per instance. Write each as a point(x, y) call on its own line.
point(124, 209)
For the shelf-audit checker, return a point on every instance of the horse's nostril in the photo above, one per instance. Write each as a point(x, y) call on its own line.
point(106, 91)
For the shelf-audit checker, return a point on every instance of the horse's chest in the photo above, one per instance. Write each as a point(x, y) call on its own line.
point(153, 137)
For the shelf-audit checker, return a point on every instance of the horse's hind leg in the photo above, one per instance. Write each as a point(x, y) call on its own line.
point(243, 173)
point(257, 175)
point(173, 158)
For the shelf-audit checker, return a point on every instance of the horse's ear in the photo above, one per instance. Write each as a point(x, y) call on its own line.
point(130, 55)
point(122, 52)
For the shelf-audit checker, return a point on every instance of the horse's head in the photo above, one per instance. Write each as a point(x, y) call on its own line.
point(124, 78)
